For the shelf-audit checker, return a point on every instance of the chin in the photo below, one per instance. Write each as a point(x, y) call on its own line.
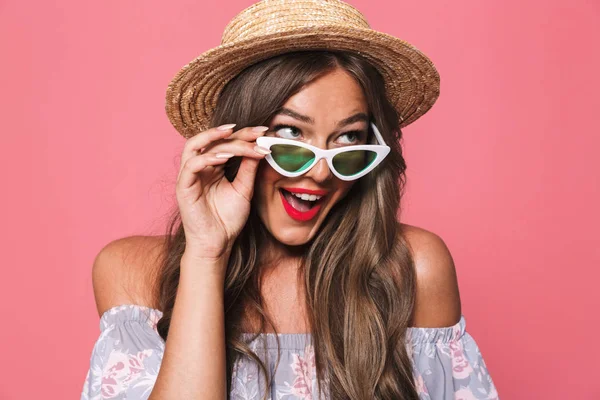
point(286, 230)
point(292, 236)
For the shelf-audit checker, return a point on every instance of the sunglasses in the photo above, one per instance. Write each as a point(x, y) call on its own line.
point(293, 158)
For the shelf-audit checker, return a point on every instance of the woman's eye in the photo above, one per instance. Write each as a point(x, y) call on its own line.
point(354, 137)
point(286, 131)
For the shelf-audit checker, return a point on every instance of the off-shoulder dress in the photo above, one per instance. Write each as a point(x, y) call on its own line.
point(125, 361)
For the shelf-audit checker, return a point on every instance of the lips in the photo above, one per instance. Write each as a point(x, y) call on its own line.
point(301, 215)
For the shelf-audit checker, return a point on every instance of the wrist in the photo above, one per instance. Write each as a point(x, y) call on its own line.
point(205, 266)
point(206, 253)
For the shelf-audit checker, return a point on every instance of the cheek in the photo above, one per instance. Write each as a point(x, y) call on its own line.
point(344, 188)
point(264, 182)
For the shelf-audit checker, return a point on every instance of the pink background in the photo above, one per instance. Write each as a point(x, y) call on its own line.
point(504, 168)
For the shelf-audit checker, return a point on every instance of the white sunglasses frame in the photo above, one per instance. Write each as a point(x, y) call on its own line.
point(381, 150)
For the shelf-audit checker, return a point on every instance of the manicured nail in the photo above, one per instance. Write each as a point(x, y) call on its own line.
point(261, 150)
point(260, 129)
point(226, 127)
point(224, 155)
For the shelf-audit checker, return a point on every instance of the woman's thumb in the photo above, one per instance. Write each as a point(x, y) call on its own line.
point(244, 179)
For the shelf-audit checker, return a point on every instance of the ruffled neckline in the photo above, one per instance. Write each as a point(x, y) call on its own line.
point(415, 335)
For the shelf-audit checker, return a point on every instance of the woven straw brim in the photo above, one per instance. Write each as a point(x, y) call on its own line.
point(412, 81)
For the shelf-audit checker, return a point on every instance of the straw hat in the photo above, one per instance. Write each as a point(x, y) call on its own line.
point(272, 27)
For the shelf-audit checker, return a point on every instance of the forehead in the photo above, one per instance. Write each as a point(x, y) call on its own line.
point(330, 98)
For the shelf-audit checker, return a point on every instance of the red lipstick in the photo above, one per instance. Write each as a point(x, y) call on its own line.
point(300, 215)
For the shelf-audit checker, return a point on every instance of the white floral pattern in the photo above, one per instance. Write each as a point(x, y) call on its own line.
point(126, 358)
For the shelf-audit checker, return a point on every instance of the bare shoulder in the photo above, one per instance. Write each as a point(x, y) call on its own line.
point(125, 271)
point(438, 298)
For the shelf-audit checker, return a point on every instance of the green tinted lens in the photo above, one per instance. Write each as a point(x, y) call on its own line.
point(353, 162)
point(292, 158)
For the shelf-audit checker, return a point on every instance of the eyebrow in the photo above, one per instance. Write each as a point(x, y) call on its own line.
point(304, 118)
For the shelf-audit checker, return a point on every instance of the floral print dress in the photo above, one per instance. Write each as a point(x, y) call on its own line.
point(126, 358)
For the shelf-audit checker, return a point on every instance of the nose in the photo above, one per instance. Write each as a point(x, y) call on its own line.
point(320, 172)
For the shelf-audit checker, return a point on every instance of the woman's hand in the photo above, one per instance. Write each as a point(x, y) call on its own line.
point(214, 210)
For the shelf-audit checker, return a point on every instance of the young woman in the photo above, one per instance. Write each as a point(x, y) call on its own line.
point(285, 273)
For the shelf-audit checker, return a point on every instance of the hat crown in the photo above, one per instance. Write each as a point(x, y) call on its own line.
point(277, 16)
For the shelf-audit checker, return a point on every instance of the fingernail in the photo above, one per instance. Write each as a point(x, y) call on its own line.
point(226, 127)
point(260, 128)
point(261, 150)
point(224, 155)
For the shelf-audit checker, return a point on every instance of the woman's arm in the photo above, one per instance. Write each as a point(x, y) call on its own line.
point(194, 366)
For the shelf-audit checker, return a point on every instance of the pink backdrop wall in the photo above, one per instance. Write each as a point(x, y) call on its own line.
point(504, 168)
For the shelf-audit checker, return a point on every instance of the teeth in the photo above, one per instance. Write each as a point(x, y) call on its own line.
point(306, 196)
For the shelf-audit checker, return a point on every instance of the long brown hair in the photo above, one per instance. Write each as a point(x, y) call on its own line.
point(357, 272)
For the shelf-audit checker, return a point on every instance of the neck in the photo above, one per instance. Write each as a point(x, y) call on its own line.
point(276, 254)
